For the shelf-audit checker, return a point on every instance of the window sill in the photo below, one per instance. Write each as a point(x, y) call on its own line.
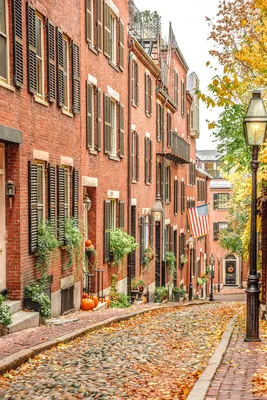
point(148, 183)
point(40, 101)
point(92, 49)
point(113, 158)
point(7, 86)
point(93, 152)
point(113, 66)
point(134, 181)
point(134, 104)
point(167, 202)
point(66, 112)
point(148, 115)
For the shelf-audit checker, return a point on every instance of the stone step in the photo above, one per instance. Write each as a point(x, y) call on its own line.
point(14, 305)
point(23, 320)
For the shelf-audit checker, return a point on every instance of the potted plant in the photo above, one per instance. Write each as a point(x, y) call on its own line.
point(137, 285)
point(178, 293)
point(121, 244)
point(171, 262)
point(149, 255)
point(35, 299)
point(161, 293)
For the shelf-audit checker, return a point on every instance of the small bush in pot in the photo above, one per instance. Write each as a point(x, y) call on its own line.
point(178, 293)
point(35, 292)
point(161, 293)
point(5, 315)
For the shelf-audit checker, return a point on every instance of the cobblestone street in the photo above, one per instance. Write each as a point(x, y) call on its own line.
point(158, 355)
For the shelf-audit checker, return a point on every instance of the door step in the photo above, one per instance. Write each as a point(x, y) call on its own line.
point(23, 320)
point(14, 305)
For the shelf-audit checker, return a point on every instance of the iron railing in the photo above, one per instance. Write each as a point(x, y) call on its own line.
point(143, 25)
point(180, 148)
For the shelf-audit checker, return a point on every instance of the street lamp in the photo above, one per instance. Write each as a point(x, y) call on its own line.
point(255, 123)
point(219, 261)
point(191, 247)
point(157, 209)
point(211, 276)
point(87, 202)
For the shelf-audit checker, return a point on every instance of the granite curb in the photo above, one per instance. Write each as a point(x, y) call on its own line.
point(201, 387)
point(22, 356)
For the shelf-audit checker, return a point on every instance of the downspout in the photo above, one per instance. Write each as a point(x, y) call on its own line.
point(163, 195)
point(129, 194)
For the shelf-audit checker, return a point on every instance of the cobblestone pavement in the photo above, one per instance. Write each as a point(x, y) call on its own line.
point(233, 379)
point(158, 355)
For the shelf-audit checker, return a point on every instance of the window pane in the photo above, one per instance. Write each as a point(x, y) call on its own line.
point(38, 26)
point(3, 57)
point(2, 16)
point(39, 76)
point(65, 55)
point(113, 129)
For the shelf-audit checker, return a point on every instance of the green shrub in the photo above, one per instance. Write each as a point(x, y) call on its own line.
point(5, 315)
point(120, 300)
point(35, 292)
point(161, 293)
point(121, 244)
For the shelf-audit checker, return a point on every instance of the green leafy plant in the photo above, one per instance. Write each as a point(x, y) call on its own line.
point(5, 315)
point(47, 244)
point(93, 259)
point(121, 244)
point(161, 293)
point(74, 242)
point(120, 301)
point(183, 259)
point(136, 283)
point(179, 290)
point(35, 292)
point(171, 262)
point(149, 255)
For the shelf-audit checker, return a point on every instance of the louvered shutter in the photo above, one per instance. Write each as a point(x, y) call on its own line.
point(33, 212)
point(215, 201)
point(89, 117)
point(175, 202)
point(162, 122)
point(17, 43)
point(146, 94)
point(99, 24)
point(146, 161)
point(76, 84)
point(88, 22)
point(107, 50)
point(98, 119)
point(215, 231)
point(107, 210)
point(142, 238)
point(52, 196)
point(175, 76)
point(121, 130)
point(75, 196)
point(169, 127)
point(151, 230)
point(121, 45)
point(150, 160)
point(158, 122)
point(137, 83)
point(32, 65)
point(61, 205)
point(133, 81)
point(60, 68)
point(107, 118)
point(121, 214)
point(51, 67)
point(150, 95)
point(171, 238)
point(137, 156)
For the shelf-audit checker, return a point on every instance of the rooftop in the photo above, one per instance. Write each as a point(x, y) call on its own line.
point(208, 155)
point(220, 184)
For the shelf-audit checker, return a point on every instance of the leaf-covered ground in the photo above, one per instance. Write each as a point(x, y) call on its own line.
point(157, 356)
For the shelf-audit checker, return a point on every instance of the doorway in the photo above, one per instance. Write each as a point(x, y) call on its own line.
point(230, 271)
point(2, 220)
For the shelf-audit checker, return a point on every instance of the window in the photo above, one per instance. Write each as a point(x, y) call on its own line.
point(135, 83)
point(169, 129)
point(182, 250)
point(39, 54)
point(135, 156)
point(148, 160)
point(113, 217)
point(146, 224)
point(188, 124)
point(148, 95)
point(200, 190)
point(210, 168)
point(112, 214)
point(93, 118)
point(146, 231)
point(190, 204)
point(66, 70)
point(182, 97)
point(159, 180)
point(94, 24)
point(168, 185)
point(217, 227)
point(220, 201)
point(90, 22)
point(182, 197)
point(176, 196)
point(66, 192)
point(192, 173)
point(40, 192)
point(113, 36)
point(176, 87)
point(3, 40)
point(113, 129)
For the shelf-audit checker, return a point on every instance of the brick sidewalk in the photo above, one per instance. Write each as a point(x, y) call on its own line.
point(233, 379)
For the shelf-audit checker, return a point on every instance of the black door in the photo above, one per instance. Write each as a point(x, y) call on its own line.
point(230, 272)
point(158, 254)
point(175, 242)
point(133, 233)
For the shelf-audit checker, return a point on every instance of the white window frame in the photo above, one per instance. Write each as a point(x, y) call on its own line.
point(113, 213)
point(66, 73)
point(6, 35)
point(146, 231)
point(113, 38)
point(92, 24)
point(39, 16)
point(67, 198)
point(41, 206)
point(113, 128)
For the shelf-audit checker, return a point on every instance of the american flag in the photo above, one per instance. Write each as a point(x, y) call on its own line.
point(199, 220)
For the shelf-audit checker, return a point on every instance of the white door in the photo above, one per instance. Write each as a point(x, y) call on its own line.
point(2, 219)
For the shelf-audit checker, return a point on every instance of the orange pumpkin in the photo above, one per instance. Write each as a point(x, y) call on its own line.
point(144, 299)
point(88, 243)
point(107, 300)
point(95, 298)
point(87, 304)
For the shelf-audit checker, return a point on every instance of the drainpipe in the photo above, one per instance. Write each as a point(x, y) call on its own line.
point(163, 196)
point(129, 264)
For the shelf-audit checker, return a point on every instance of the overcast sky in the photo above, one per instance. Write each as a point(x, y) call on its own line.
point(191, 31)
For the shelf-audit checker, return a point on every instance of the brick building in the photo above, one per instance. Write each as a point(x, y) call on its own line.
point(94, 107)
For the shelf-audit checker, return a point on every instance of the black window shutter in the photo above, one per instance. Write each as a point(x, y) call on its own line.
point(75, 196)
point(17, 44)
point(121, 45)
point(33, 212)
point(107, 49)
point(142, 238)
point(89, 116)
point(51, 67)
point(146, 94)
point(137, 156)
point(158, 122)
point(76, 84)
point(216, 231)
point(88, 22)
point(121, 214)
point(98, 119)
point(52, 196)
point(60, 68)
point(99, 11)
point(151, 230)
point(150, 99)
point(137, 83)
point(32, 75)
point(107, 209)
point(162, 122)
point(146, 160)
point(61, 205)
point(169, 129)
point(215, 201)
point(107, 126)
point(175, 196)
point(150, 160)
point(121, 130)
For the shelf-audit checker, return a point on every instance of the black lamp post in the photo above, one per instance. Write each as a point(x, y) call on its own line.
point(211, 276)
point(219, 261)
point(191, 247)
point(255, 123)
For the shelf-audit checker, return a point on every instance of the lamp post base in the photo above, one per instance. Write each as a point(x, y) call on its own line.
point(253, 305)
point(211, 291)
point(190, 292)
